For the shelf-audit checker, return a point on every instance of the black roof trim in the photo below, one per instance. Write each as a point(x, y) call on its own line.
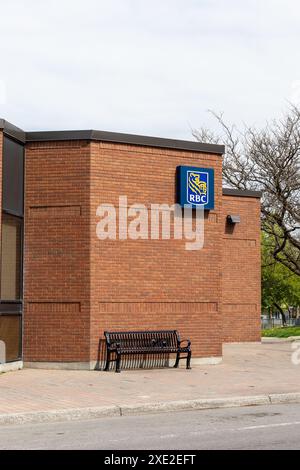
point(131, 139)
point(48, 136)
point(241, 193)
point(116, 137)
point(158, 142)
point(113, 137)
point(12, 131)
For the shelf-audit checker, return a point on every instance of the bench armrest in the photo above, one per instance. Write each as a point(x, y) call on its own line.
point(185, 341)
point(114, 346)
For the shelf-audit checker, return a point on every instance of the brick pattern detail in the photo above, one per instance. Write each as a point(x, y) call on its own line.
point(241, 271)
point(50, 307)
point(55, 211)
point(57, 252)
point(121, 308)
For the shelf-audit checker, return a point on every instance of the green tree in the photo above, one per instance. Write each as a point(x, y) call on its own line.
point(280, 287)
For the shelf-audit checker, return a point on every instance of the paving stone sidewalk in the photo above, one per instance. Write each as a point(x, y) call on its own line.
point(247, 370)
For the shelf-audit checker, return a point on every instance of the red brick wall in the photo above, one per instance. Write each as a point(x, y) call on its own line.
point(241, 280)
point(151, 284)
point(57, 251)
point(76, 286)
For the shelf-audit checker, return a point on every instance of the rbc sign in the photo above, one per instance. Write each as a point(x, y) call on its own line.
point(195, 187)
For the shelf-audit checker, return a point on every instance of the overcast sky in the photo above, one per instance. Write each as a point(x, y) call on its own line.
point(147, 66)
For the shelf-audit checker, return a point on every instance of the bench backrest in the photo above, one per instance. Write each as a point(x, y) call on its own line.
point(143, 339)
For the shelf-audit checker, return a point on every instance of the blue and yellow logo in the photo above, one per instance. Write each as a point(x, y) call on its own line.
point(197, 187)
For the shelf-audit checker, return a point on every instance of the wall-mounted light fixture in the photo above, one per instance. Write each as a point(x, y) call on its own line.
point(233, 219)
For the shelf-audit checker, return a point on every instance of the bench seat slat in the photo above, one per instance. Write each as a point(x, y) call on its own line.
point(145, 342)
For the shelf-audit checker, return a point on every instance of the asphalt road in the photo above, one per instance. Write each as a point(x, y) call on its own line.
point(259, 427)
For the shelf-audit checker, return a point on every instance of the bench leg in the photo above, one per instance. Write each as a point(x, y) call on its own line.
point(188, 360)
point(177, 360)
point(118, 363)
point(107, 361)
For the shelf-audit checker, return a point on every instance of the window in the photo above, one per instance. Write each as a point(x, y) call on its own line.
point(11, 258)
point(12, 177)
point(10, 335)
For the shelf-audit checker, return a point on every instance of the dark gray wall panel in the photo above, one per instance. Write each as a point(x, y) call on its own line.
point(13, 177)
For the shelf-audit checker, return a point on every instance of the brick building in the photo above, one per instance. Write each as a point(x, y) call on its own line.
point(61, 286)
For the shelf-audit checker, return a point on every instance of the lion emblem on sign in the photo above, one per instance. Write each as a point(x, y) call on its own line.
point(196, 185)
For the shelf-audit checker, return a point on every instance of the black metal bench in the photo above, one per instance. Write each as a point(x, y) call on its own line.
point(127, 343)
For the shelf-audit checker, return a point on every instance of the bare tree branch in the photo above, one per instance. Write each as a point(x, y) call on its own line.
point(267, 160)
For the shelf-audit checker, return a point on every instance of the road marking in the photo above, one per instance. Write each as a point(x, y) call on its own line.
point(275, 425)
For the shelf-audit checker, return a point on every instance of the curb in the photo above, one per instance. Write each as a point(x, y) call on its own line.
point(159, 407)
point(274, 339)
point(52, 416)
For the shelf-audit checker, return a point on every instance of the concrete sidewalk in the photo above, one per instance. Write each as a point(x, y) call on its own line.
point(249, 373)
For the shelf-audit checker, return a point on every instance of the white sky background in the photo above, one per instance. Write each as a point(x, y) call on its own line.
point(147, 67)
